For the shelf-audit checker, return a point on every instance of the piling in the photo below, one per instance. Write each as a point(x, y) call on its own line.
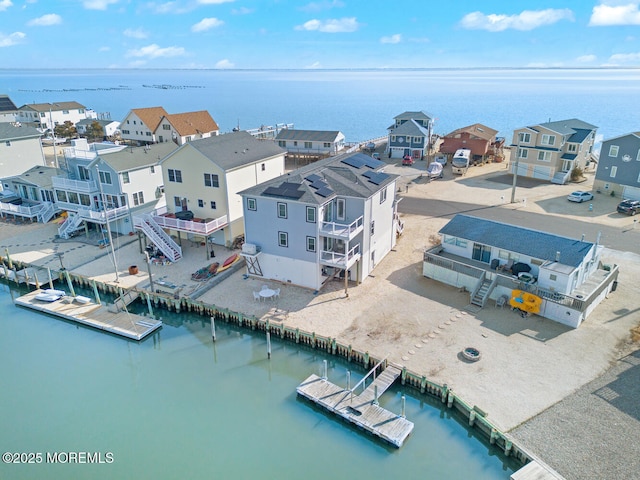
point(269, 345)
point(213, 329)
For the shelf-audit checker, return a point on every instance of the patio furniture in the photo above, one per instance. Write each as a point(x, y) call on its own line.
point(256, 296)
point(277, 294)
point(501, 301)
point(267, 293)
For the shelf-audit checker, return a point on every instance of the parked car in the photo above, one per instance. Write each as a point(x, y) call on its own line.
point(442, 159)
point(407, 160)
point(434, 170)
point(580, 196)
point(629, 207)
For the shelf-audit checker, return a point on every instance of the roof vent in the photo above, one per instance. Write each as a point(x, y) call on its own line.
point(557, 256)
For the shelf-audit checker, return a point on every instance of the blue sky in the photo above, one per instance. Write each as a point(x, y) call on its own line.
point(318, 34)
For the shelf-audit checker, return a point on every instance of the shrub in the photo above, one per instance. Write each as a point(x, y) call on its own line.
point(576, 174)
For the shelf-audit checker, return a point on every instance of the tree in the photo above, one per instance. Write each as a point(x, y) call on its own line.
point(95, 130)
point(66, 130)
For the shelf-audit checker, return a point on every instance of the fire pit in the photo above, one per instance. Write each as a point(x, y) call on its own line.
point(472, 354)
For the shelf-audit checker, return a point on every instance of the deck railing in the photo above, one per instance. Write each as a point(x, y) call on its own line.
point(342, 230)
point(84, 186)
point(200, 228)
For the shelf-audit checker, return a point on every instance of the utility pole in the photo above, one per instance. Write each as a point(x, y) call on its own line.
point(515, 172)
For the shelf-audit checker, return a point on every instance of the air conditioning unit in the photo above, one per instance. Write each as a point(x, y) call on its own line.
point(249, 248)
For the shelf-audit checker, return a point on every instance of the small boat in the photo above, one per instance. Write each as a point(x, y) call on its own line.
point(229, 261)
point(50, 295)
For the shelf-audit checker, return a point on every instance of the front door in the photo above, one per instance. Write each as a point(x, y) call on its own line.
point(481, 252)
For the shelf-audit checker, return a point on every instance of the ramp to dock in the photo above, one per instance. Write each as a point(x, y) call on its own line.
point(123, 301)
point(361, 410)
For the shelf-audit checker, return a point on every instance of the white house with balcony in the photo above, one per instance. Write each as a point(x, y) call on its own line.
point(31, 194)
point(311, 142)
point(333, 219)
point(47, 115)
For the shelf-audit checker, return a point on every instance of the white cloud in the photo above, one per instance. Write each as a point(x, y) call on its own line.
point(322, 5)
point(347, 24)
point(606, 15)
point(11, 39)
point(224, 64)
point(214, 2)
point(154, 51)
point(526, 20)
point(45, 20)
point(206, 24)
point(586, 58)
point(4, 4)
point(97, 4)
point(397, 38)
point(104, 49)
point(138, 33)
point(242, 11)
point(625, 58)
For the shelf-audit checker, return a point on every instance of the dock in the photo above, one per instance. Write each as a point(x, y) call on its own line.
point(94, 315)
point(361, 410)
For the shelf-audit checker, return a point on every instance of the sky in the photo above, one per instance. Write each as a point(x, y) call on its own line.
point(322, 34)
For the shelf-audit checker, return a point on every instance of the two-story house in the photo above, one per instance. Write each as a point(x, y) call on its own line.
point(318, 143)
point(550, 151)
point(618, 171)
point(155, 125)
point(202, 179)
point(410, 135)
point(109, 127)
point(33, 194)
point(478, 138)
point(8, 110)
point(335, 218)
point(107, 182)
point(20, 149)
point(47, 115)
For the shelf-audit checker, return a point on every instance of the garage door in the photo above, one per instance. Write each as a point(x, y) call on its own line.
point(632, 193)
point(543, 173)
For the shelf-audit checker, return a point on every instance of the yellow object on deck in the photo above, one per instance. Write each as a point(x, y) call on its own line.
point(525, 301)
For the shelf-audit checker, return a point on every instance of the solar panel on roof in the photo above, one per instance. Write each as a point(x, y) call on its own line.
point(285, 190)
point(372, 162)
point(324, 192)
point(368, 174)
point(355, 162)
point(313, 177)
point(377, 177)
point(319, 184)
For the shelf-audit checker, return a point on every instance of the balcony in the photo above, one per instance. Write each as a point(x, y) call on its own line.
point(26, 209)
point(341, 230)
point(79, 186)
point(102, 216)
point(197, 226)
point(340, 259)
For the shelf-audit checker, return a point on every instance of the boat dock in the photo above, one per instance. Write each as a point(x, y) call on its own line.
point(93, 314)
point(361, 410)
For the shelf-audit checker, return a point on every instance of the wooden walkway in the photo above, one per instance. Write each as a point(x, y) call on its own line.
point(361, 410)
point(94, 315)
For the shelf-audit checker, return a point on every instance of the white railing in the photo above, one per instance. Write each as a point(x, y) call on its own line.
point(344, 260)
point(159, 237)
point(70, 225)
point(102, 216)
point(47, 211)
point(85, 186)
point(201, 228)
point(342, 230)
point(21, 210)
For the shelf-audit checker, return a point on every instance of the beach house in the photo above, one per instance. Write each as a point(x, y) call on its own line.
point(8, 110)
point(332, 219)
point(318, 143)
point(20, 148)
point(480, 139)
point(30, 194)
point(46, 116)
point(618, 171)
point(410, 135)
point(109, 127)
point(550, 151)
point(492, 260)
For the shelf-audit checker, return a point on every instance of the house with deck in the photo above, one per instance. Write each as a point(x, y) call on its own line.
point(550, 151)
point(107, 182)
point(410, 134)
point(480, 139)
point(332, 219)
point(618, 171)
point(109, 127)
point(46, 116)
point(492, 260)
point(202, 179)
point(30, 194)
point(320, 143)
point(20, 149)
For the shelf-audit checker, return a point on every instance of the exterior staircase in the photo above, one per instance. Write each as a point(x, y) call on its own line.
point(561, 177)
point(483, 289)
point(47, 212)
point(158, 236)
point(70, 225)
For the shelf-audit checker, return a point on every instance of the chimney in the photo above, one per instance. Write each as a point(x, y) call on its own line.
point(557, 256)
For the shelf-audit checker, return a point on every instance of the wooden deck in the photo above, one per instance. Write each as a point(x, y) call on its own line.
point(94, 315)
point(361, 410)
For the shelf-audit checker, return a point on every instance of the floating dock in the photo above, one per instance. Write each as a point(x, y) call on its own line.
point(361, 410)
point(94, 315)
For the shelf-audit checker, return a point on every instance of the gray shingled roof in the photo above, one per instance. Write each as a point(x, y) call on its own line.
point(540, 245)
point(39, 175)
point(308, 135)
point(568, 127)
point(235, 149)
point(409, 115)
point(9, 131)
point(343, 179)
point(89, 121)
point(133, 158)
point(410, 128)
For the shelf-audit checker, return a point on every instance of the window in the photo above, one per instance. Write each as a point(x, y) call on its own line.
point(572, 148)
point(152, 169)
point(308, 145)
point(548, 139)
point(126, 132)
point(373, 227)
point(295, 143)
point(105, 177)
point(282, 143)
point(177, 202)
point(61, 195)
point(125, 177)
point(638, 156)
point(211, 180)
point(148, 134)
point(175, 175)
point(213, 205)
point(83, 173)
point(42, 114)
point(283, 239)
point(282, 210)
point(251, 204)
point(65, 112)
point(311, 214)
point(85, 200)
point(263, 167)
point(311, 244)
point(393, 138)
point(73, 197)
point(127, 122)
point(340, 209)
point(523, 152)
point(383, 195)
point(524, 137)
point(506, 255)
point(544, 156)
point(138, 198)
point(166, 127)
point(327, 145)
point(134, 122)
point(7, 143)
point(200, 203)
point(613, 150)
point(614, 170)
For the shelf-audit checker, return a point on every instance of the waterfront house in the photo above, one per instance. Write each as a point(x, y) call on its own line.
point(618, 171)
point(109, 127)
point(20, 148)
point(8, 110)
point(318, 143)
point(33, 194)
point(410, 135)
point(155, 125)
point(550, 151)
point(491, 259)
point(202, 179)
point(332, 219)
point(107, 182)
point(46, 116)
point(478, 138)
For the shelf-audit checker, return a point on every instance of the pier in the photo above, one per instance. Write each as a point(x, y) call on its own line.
point(361, 410)
point(93, 314)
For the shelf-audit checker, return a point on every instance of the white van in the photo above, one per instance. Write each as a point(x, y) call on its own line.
point(460, 161)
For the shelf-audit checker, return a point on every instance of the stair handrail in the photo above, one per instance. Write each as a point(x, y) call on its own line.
point(478, 285)
point(163, 241)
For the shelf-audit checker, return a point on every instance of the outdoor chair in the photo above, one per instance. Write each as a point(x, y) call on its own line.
point(277, 294)
point(256, 296)
point(501, 301)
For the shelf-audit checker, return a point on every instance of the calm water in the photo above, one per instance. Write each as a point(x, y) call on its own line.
point(178, 406)
point(361, 104)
